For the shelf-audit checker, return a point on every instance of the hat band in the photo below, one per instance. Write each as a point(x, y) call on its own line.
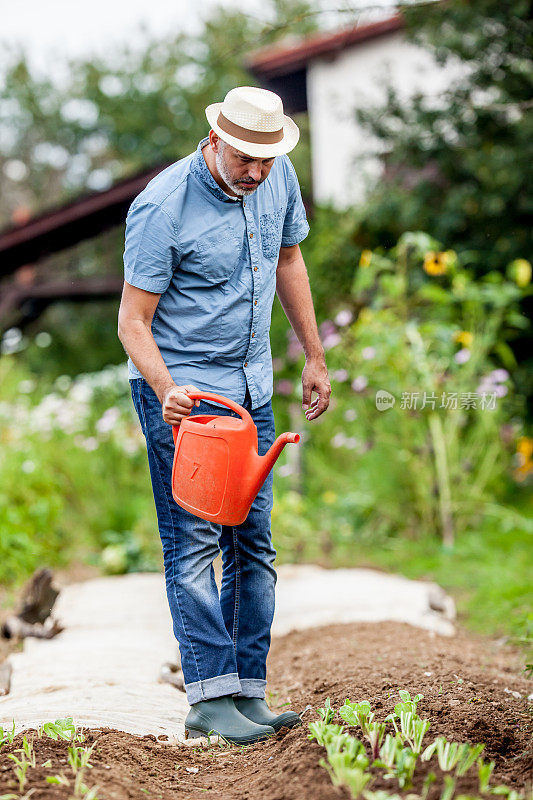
point(254, 137)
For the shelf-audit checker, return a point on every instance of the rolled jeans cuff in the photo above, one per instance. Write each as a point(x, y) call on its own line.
point(252, 687)
point(210, 688)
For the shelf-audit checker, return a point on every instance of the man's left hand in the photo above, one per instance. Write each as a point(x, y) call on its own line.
point(315, 379)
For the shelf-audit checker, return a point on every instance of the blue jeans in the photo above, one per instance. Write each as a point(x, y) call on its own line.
point(223, 639)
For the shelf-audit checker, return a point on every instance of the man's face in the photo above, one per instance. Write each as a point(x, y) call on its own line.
point(241, 173)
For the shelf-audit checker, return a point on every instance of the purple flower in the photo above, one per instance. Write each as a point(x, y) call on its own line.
point(344, 317)
point(499, 390)
point(340, 375)
point(368, 353)
point(499, 375)
point(284, 387)
point(359, 383)
point(462, 356)
point(331, 340)
point(277, 364)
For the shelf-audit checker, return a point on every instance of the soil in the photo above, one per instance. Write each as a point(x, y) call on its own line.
point(467, 697)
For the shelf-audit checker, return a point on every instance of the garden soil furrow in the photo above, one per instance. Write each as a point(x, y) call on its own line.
point(467, 697)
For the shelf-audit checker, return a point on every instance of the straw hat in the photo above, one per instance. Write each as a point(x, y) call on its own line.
point(252, 121)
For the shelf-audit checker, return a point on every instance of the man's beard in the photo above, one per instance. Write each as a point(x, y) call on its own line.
point(228, 180)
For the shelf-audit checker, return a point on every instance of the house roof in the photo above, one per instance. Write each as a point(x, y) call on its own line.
point(282, 59)
point(66, 225)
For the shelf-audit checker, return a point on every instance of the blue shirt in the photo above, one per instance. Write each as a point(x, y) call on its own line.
point(213, 258)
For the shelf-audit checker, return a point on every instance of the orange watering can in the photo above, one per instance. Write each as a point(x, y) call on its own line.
point(217, 471)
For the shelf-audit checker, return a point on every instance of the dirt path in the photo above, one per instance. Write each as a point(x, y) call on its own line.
point(103, 668)
point(467, 684)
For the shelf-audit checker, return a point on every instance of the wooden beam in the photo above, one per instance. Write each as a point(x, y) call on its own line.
point(71, 223)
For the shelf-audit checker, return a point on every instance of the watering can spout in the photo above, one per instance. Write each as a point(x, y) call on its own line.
point(268, 460)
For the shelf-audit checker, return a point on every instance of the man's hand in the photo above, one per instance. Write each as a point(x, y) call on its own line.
point(177, 405)
point(315, 379)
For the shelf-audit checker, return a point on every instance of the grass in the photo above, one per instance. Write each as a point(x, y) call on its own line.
point(488, 573)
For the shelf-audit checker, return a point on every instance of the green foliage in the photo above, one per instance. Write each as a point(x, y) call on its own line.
point(70, 445)
point(442, 449)
point(348, 764)
point(461, 167)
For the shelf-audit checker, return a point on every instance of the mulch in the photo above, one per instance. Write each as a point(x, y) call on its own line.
point(467, 682)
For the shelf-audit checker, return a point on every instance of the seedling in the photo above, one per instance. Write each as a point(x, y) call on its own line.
point(428, 780)
point(374, 733)
point(8, 736)
point(327, 713)
point(357, 714)
point(60, 779)
point(405, 766)
point(343, 774)
point(484, 772)
point(448, 753)
point(449, 788)
point(61, 729)
point(413, 729)
point(321, 731)
point(467, 757)
point(388, 751)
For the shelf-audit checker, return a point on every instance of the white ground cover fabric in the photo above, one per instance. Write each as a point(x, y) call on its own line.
point(103, 668)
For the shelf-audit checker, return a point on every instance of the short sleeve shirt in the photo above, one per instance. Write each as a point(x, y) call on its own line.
point(213, 259)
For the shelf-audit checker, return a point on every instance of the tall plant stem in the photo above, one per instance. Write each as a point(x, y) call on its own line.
point(443, 479)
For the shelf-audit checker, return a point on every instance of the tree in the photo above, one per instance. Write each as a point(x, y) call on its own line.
point(469, 159)
point(462, 169)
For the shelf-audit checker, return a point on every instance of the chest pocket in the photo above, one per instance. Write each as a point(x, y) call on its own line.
point(271, 228)
point(218, 254)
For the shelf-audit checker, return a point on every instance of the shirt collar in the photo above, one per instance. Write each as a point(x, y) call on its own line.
point(201, 170)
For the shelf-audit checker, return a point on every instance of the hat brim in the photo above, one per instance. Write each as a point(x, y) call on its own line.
point(291, 134)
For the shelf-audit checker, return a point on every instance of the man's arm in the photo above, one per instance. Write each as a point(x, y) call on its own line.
point(294, 292)
point(135, 315)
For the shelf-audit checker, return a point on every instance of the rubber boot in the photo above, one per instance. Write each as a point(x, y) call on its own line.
point(220, 716)
point(257, 710)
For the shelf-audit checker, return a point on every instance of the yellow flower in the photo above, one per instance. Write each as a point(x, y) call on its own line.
point(436, 263)
point(463, 337)
point(520, 272)
point(524, 446)
point(329, 497)
point(366, 258)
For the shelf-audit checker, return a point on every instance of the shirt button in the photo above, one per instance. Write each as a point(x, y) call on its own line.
point(255, 269)
point(251, 236)
point(245, 363)
point(255, 303)
point(253, 334)
point(244, 203)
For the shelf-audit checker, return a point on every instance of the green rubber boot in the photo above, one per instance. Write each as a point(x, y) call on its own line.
point(257, 710)
point(220, 716)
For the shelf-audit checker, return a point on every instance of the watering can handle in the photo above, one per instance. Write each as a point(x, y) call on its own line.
point(243, 413)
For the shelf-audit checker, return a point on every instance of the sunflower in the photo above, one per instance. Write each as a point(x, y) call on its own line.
point(436, 263)
point(366, 258)
point(463, 337)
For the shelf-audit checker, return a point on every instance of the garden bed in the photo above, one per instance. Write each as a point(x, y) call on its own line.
point(467, 683)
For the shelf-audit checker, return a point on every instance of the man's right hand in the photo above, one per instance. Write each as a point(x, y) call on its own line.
point(177, 405)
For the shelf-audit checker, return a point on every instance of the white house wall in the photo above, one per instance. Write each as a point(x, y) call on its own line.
point(355, 78)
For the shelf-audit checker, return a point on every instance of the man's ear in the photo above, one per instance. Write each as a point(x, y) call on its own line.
point(214, 139)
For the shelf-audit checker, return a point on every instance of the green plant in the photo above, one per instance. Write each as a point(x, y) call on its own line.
point(22, 763)
point(484, 772)
point(8, 736)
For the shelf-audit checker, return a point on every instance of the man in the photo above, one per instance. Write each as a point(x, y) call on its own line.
point(208, 242)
